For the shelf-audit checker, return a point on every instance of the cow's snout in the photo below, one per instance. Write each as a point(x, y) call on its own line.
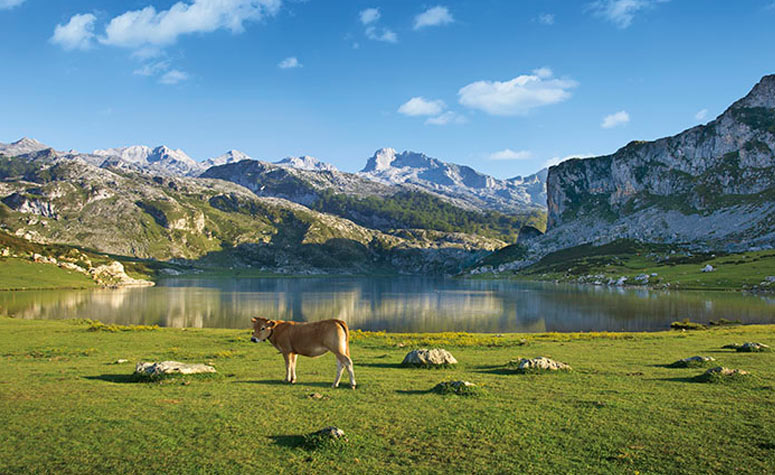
point(254, 339)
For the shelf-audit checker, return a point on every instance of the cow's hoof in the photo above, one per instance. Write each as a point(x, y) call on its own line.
point(354, 386)
point(334, 386)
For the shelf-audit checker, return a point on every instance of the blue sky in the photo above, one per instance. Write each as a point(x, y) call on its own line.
point(503, 86)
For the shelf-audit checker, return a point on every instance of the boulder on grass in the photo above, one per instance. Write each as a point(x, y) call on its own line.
point(165, 368)
point(330, 437)
point(721, 374)
point(752, 347)
point(541, 363)
point(436, 357)
point(693, 362)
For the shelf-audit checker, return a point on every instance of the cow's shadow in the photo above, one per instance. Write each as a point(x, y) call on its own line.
point(290, 441)
point(280, 382)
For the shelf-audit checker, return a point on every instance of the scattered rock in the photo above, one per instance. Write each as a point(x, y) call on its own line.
point(121, 361)
point(429, 358)
point(329, 437)
point(770, 279)
point(316, 396)
point(708, 268)
point(170, 368)
point(752, 347)
point(538, 364)
point(461, 388)
point(719, 374)
point(731, 346)
point(692, 362)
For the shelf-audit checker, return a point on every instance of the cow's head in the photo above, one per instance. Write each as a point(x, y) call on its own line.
point(262, 329)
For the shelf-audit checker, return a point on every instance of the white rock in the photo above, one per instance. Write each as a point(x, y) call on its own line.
point(541, 363)
point(425, 357)
point(708, 268)
point(171, 367)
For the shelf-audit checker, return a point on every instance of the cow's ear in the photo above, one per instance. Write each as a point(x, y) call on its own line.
point(271, 324)
point(253, 320)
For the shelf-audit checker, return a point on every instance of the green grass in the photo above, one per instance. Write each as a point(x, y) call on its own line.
point(17, 274)
point(65, 407)
point(683, 269)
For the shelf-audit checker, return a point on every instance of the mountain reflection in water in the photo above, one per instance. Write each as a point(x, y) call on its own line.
point(400, 304)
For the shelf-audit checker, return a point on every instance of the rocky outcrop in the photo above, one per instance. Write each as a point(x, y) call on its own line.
point(541, 363)
point(113, 275)
point(692, 362)
point(712, 184)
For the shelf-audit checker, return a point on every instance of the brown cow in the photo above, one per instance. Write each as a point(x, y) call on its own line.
point(309, 339)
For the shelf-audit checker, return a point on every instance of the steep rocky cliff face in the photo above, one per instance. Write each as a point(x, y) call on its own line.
point(713, 184)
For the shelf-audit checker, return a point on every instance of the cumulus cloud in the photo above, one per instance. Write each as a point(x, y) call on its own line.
point(616, 119)
point(546, 19)
point(448, 117)
point(369, 15)
point(701, 115)
point(8, 4)
point(421, 106)
point(290, 63)
point(385, 34)
point(76, 33)
point(148, 27)
point(621, 12)
point(152, 69)
point(509, 154)
point(435, 16)
point(517, 96)
point(369, 18)
point(173, 77)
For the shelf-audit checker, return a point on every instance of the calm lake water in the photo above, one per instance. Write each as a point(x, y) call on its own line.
point(403, 304)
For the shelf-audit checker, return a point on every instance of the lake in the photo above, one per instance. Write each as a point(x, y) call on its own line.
point(396, 304)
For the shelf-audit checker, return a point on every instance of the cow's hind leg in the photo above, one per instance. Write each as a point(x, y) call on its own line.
point(339, 368)
point(349, 365)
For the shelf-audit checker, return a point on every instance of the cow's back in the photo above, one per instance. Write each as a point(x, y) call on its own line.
point(315, 338)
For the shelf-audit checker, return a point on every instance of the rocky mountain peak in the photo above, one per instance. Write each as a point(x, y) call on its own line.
point(306, 162)
point(381, 160)
point(232, 156)
point(22, 146)
point(762, 94)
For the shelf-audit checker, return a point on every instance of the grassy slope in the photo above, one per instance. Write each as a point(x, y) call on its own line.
point(628, 258)
point(64, 408)
point(18, 274)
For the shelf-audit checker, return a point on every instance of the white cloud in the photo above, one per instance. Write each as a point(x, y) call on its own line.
point(509, 154)
point(152, 69)
point(370, 15)
point(543, 73)
point(616, 119)
point(76, 33)
point(147, 27)
point(448, 117)
point(517, 96)
point(290, 63)
point(701, 115)
point(621, 12)
point(173, 77)
point(385, 35)
point(557, 160)
point(546, 19)
point(8, 4)
point(435, 16)
point(421, 106)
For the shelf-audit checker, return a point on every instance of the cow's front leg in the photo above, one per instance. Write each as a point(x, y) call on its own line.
point(293, 357)
point(339, 368)
point(288, 364)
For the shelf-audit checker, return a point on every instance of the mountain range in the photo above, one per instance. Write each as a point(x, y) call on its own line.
point(296, 215)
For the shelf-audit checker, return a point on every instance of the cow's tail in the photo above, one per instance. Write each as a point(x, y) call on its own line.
point(346, 335)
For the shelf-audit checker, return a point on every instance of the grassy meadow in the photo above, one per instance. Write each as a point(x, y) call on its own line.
point(66, 407)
